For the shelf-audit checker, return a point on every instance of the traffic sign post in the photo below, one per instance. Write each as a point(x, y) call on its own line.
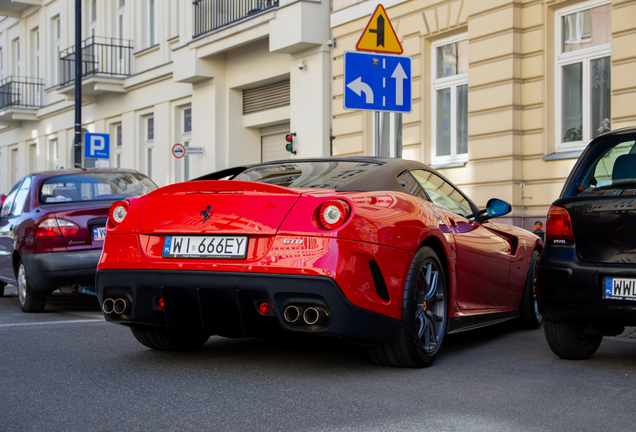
point(377, 82)
point(96, 146)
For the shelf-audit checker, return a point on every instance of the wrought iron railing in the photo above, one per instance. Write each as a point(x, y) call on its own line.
point(213, 14)
point(21, 92)
point(100, 56)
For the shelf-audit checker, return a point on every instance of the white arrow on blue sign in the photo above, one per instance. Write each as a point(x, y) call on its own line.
point(377, 82)
point(96, 146)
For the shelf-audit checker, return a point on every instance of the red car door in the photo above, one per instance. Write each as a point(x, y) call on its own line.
point(483, 257)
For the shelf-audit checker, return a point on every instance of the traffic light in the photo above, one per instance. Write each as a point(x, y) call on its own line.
point(289, 140)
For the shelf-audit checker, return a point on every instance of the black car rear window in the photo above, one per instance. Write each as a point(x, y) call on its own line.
point(323, 175)
point(94, 187)
point(610, 167)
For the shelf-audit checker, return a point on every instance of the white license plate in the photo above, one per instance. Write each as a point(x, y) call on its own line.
point(620, 289)
point(233, 247)
point(99, 233)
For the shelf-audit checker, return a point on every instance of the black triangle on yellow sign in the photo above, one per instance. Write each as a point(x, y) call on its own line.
point(379, 35)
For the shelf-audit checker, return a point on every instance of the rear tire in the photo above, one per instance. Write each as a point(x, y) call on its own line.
point(166, 340)
point(529, 310)
point(572, 340)
point(29, 299)
point(424, 316)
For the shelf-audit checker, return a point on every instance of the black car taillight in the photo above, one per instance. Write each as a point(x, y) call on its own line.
point(118, 212)
point(559, 224)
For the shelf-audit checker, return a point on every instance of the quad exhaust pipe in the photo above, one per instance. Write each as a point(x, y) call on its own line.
point(307, 315)
point(120, 307)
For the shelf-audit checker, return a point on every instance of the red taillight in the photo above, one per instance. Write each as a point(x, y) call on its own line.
point(160, 303)
point(333, 213)
point(559, 224)
point(53, 227)
point(118, 212)
point(264, 308)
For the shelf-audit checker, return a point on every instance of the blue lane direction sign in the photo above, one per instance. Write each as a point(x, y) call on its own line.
point(96, 146)
point(377, 82)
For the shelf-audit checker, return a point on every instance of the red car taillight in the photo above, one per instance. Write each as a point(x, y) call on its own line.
point(118, 212)
point(559, 224)
point(333, 213)
point(53, 227)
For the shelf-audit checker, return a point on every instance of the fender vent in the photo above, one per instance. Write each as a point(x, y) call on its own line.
point(378, 280)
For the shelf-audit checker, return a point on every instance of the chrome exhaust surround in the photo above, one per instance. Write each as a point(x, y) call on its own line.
point(108, 306)
point(291, 314)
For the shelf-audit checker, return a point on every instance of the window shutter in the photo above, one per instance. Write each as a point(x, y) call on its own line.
point(266, 97)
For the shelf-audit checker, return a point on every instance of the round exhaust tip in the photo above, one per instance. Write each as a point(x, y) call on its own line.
point(119, 307)
point(108, 306)
point(311, 315)
point(291, 314)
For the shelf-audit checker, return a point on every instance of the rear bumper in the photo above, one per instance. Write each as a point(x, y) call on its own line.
point(52, 270)
point(225, 303)
point(569, 288)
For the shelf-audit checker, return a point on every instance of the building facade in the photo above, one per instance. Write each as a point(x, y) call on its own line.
point(506, 93)
point(231, 76)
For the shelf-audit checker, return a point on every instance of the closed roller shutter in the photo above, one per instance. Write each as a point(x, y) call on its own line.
point(266, 97)
point(273, 143)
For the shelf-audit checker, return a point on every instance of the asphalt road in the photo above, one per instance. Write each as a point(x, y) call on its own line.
point(68, 370)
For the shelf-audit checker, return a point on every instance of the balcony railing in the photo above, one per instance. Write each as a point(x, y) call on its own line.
point(21, 92)
point(100, 56)
point(213, 14)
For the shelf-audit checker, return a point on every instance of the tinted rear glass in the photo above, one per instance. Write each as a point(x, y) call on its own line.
point(94, 187)
point(323, 175)
point(608, 169)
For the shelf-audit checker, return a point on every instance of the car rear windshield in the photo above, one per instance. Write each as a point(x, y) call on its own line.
point(323, 175)
point(94, 187)
point(608, 169)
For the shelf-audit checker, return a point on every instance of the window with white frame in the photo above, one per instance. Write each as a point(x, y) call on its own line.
point(1, 64)
point(15, 48)
point(150, 24)
point(121, 34)
point(183, 164)
point(117, 133)
point(56, 47)
point(583, 63)
point(150, 137)
point(92, 17)
point(33, 157)
point(450, 99)
point(53, 154)
point(35, 52)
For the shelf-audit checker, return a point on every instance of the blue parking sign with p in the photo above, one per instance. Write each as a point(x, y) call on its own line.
point(96, 146)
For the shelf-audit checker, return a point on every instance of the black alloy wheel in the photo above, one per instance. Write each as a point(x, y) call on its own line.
point(424, 316)
point(29, 299)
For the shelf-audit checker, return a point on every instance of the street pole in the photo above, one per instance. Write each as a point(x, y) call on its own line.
point(78, 84)
point(376, 141)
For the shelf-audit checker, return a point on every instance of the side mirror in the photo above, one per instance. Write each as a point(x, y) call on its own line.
point(496, 208)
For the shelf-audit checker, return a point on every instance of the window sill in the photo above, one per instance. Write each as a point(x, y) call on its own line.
point(449, 164)
point(147, 50)
point(572, 154)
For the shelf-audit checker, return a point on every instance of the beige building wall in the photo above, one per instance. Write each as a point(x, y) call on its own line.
point(513, 152)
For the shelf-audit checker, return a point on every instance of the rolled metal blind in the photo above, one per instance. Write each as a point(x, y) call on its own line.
point(266, 97)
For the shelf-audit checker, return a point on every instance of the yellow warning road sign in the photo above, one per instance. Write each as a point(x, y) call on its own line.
point(379, 35)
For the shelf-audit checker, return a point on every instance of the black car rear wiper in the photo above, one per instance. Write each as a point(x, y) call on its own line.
point(618, 185)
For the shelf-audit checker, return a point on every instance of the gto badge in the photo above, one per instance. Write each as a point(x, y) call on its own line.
point(206, 213)
point(293, 241)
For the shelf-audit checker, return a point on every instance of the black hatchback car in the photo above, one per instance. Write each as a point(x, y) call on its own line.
point(586, 278)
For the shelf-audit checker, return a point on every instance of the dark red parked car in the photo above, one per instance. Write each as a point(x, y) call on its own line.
point(52, 228)
point(383, 251)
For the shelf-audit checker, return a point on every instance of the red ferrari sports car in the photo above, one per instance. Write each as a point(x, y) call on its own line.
point(383, 252)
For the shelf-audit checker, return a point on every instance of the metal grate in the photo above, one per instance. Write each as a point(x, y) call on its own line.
point(266, 97)
point(212, 14)
point(21, 92)
point(100, 56)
